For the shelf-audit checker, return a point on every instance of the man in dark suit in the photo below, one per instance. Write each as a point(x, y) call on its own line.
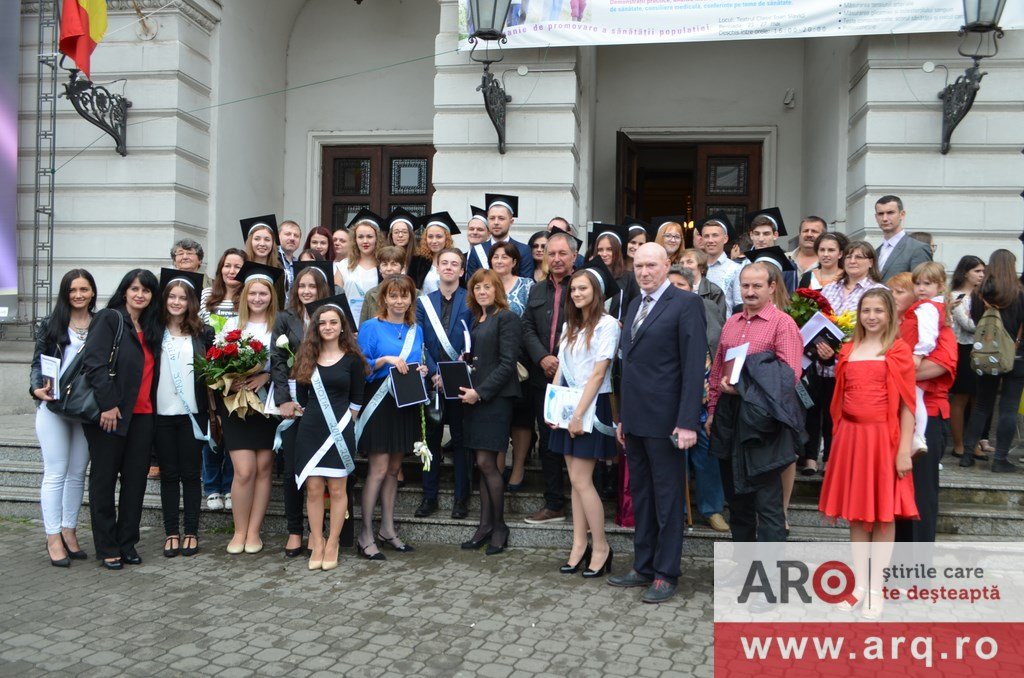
point(898, 252)
point(444, 340)
point(663, 348)
point(542, 330)
point(501, 214)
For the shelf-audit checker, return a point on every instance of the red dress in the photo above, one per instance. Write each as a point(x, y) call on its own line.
point(861, 483)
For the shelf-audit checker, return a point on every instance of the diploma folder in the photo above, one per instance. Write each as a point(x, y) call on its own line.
point(408, 389)
point(454, 375)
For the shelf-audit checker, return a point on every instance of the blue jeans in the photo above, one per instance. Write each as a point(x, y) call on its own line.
point(217, 472)
point(463, 466)
point(707, 476)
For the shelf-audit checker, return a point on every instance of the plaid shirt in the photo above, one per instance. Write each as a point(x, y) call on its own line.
point(767, 330)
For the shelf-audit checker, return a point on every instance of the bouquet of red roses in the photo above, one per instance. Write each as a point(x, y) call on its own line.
point(233, 356)
point(805, 303)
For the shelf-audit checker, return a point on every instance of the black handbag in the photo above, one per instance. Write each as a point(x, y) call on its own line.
point(77, 398)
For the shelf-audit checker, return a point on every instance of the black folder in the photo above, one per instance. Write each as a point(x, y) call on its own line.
point(408, 389)
point(454, 375)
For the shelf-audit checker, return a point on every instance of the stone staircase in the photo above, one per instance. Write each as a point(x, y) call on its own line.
point(975, 505)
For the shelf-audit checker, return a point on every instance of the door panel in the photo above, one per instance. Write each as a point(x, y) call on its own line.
point(627, 173)
point(728, 180)
point(379, 178)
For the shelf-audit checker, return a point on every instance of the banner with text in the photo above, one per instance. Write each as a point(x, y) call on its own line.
point(561, 23)
point(9, 67)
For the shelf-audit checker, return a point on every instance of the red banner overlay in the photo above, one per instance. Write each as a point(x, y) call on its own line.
point(798, 650)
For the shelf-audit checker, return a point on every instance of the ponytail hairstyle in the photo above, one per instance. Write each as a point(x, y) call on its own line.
point(309, 350)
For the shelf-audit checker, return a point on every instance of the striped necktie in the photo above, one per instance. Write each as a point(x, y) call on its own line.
point(645, 306)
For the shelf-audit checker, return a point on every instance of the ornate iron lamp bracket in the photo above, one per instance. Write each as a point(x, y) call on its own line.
point(957, 100)
point(495, 98)
point(101, 107)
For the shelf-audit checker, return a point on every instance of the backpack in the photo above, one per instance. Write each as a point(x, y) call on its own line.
point(994, 349)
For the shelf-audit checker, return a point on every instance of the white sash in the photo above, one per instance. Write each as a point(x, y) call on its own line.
point(435, 322)
point(336, 437)
point(179, 386)
point(481, 256)
point(385, 388)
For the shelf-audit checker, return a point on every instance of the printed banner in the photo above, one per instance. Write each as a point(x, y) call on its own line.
point(563, 23)
point(869, 609)
point(9, 68)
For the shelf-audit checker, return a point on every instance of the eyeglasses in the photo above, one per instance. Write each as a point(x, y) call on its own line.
point(182, 254)
point(673, 236)
point(858, 257)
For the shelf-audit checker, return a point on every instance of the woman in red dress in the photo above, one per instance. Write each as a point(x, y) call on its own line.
point(868, 482)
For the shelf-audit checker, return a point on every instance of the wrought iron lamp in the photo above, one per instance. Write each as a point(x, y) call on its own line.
point(487, 18)
point(981, 23)
point(101, 107)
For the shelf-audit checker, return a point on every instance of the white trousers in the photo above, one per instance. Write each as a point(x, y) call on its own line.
point(65, 459)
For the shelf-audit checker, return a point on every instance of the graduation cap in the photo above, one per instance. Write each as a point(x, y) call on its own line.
point(401, 216)
point(658, 223)
point(634, 226)
point(442, 219)
point(192, 279)
point(326, 269)
point(267, 221)
point(619, 233)
point(719, 218)
point(772, 255)
point(511, 202)
point(478, 213)
point(365, 215)
point(338, 301)
point(602, 276)
point(252, 270)
point(772, 213)
point(556, 229)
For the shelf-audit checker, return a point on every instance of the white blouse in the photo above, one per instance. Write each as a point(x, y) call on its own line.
point(358, 282)
point(71, 350)
point(577, 361)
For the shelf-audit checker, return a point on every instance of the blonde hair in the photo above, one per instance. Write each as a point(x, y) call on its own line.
point(243, 303)
point(272, 258)
point(892, 329)
point(933, 272)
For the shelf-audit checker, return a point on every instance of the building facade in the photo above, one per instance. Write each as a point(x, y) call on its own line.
point(310, 108)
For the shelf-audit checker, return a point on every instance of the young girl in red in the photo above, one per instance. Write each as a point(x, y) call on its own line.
point(868, 482)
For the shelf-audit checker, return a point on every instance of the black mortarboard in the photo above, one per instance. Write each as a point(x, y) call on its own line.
point(366, 215)
point(251, 269)
point(771, 255)
point(338, 300)
point(442, 219)
point(478, 213)
point(658, 222)
point(325, 267)
point(556, 229)
point(267, 221)
point(718, 218)
point(401, 216)
point(633, 226)
point(773, 213)
point(619, 233)
point(191, 278)
point(606, 281)
point(509, 201)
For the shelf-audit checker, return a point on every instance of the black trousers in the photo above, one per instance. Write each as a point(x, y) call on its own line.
point(819, 418)
point(180, 457)
point(115, 530)
point(657, 471)
point(926, 486)
point(551, 465)
point(757, 515)
point(294, 496)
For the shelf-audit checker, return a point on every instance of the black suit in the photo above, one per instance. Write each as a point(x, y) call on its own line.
point(126, 451)
point(537, 340)
point(662, 389)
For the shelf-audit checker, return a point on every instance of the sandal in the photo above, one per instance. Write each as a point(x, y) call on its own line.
point(189, 550)
point(395, 543)
point(370, 556)
point(172, 546)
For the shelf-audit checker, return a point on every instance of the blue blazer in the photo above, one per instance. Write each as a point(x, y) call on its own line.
point(460, 311)
point(663, 367)
point(525, 259)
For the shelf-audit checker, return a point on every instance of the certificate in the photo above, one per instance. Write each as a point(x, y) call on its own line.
point(560, 405)
point(50, 367)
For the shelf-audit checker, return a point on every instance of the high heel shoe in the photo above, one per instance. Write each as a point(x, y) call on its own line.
point(601, 571)
point(295, 552)
point(62, 562)
point(330, 564)
point(584, 561)
point(316, 564)
point(474, 544)
point(493, 550)
point(395, 543)
point(376, 556)
point(74, 555)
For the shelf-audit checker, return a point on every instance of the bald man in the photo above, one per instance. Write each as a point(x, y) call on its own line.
point(664, 340)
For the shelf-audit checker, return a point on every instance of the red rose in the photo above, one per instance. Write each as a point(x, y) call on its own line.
point(231, 350)
point(233, 335)
point(256, 345)
point(214, 353)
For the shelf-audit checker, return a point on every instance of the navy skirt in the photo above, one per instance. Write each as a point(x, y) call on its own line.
point(589, 445)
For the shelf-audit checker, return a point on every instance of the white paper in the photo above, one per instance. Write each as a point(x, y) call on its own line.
point(813, 327)
point(270, 406)
point(560, 406)
point(739, 355)
point(466, 337)
point(50, 367)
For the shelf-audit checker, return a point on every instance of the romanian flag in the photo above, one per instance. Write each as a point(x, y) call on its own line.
point(82, 25)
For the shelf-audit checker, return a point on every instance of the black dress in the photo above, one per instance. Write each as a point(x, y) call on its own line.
point(344, 382)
